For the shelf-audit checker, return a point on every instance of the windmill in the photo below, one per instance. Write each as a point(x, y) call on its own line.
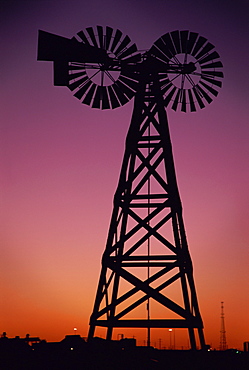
point(146, 279)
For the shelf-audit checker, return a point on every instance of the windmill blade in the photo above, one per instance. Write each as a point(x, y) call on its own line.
point(133, 59)
point(212, 65)
point(209, 88)
point(191, 101)
point(166, 85)
point(160, 44)
point(176, 100)
point(116, 39)
point(176, 41)
point(154, 50)
point(204, 94)
point(97, 98)
point(198, 98)
point(208, 47)
point(209, 57)
point(200, 42)
point(191, 41)
point(166, 88)
point(105, 98)
point(88, 98)
point(100, 36)
point(73, 85)
point(214, 73)
point(92, 36)
point(169, 47)
point(132, 49)
point(76, 66)
point(120, 94)
point(131, 83)
point(128, 92)
point(83, 37)
point(164, 80)
point(169, 96)
point(101, 99)
point(212, 81)
point(108, 37)
point(123, 45)
point(80, 93)
point(184, 40)
point(73, 76)
point(183, 100)
point(113, 99)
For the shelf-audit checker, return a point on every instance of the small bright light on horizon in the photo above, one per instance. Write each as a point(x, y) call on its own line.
point(74, 329)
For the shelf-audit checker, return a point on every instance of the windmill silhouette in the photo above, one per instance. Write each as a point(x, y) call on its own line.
point(146, 279)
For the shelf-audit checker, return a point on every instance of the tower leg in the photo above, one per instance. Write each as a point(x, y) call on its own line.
point(202, 338)
point(192, 338)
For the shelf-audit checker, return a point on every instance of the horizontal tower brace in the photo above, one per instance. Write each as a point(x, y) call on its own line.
point(135, 289)
point(170, 323)
point(145, 264)
point(150, 138)
point(146, 258)
point(148, 196)
point(153, 293)
point(147, 145)
point(147, 205)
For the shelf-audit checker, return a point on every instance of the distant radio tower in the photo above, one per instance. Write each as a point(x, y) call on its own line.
point(223, 341)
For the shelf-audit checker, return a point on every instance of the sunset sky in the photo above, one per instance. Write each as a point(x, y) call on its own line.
point(60, 162)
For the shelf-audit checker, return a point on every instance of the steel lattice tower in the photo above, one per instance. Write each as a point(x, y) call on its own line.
point(223, 341)
point(146, 280)
point(147, 205)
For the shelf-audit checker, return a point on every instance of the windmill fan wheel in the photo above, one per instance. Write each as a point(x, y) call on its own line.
point(192, 69)
point(110, 84)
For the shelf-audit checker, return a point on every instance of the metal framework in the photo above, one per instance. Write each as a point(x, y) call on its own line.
point(146, 251)
point(146, 279)
point(223, 341)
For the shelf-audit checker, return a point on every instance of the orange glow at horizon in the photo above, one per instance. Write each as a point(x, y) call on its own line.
point(60, 162)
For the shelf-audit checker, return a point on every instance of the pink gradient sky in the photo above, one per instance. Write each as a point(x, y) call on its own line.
point(60, 162)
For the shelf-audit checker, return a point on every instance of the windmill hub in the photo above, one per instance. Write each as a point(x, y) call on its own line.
point(106, 76)
point(188, 68)
point(110, 65)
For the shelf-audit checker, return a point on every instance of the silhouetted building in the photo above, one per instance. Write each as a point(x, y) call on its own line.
point(74, 353)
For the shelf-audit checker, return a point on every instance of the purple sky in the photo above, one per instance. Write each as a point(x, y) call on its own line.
point(60, 162)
